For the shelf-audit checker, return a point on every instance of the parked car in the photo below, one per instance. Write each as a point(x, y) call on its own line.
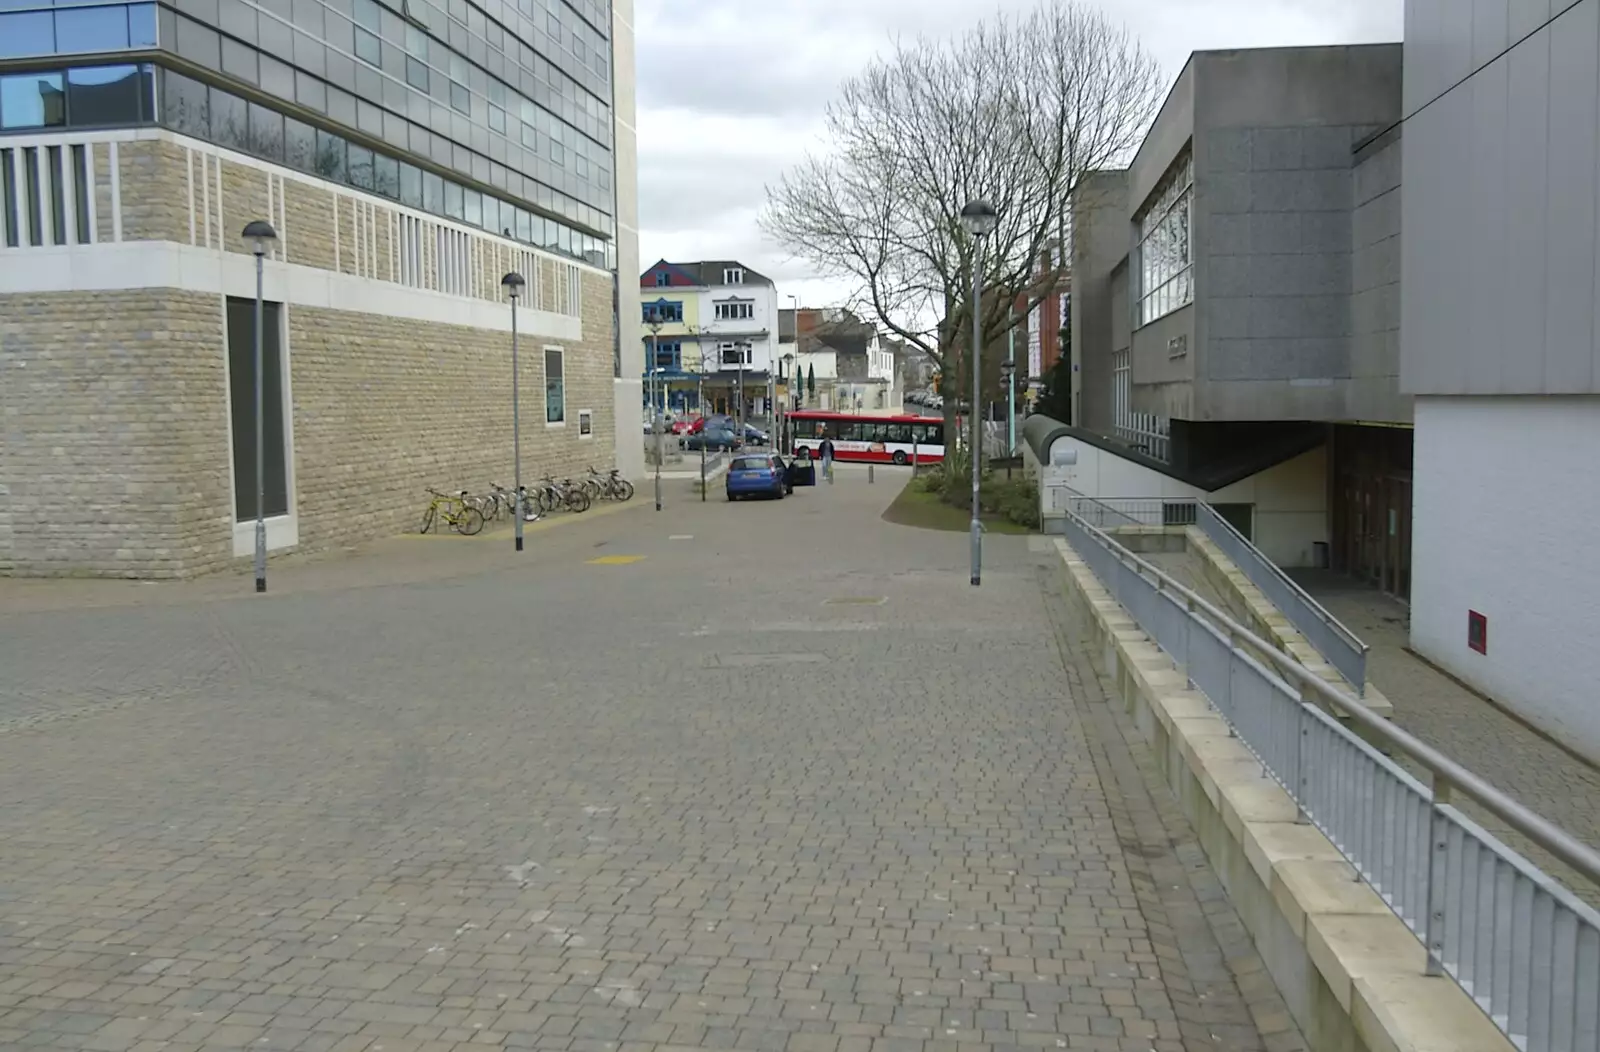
point(713, 438)
point(754, 436)
point(759, 475)
point(715, 420)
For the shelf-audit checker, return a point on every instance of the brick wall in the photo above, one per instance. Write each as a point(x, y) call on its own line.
point(113, 406)
point(113, 455)
point(385, 409)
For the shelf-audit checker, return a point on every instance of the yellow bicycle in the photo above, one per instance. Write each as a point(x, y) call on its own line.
point(455, 511)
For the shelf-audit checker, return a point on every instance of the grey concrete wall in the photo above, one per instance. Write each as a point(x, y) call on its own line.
point(1168, 135)
point(1499, 205)
point(1163, 383)
point(1099, 243)
point(1273, 224)
point(1374, 388)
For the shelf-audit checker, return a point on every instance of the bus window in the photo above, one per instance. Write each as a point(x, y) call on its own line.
point(899, 433)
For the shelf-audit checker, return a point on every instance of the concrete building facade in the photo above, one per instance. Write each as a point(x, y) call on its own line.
point(127, 293)
point(1501, 349)
point(1234, 294)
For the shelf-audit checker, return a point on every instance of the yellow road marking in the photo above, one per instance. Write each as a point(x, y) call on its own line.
point(615, 560)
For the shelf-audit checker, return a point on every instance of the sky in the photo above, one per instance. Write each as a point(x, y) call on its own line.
point(732, 94)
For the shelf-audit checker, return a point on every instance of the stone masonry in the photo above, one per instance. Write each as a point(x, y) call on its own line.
point(114, 408)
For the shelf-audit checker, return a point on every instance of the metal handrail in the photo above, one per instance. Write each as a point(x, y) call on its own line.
point(1322, 613)
point(1558, 842)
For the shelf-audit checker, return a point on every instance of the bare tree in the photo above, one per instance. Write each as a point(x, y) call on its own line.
point(1015, 112)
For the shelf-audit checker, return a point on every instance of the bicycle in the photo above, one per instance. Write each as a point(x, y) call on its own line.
point(464, 518)
point(563, 494)
point(504, 502)
point(609, 487)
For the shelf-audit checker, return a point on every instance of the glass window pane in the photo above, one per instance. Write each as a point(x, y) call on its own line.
point(299, 145)
point(369, 14)
point(368, 49)
point(230, 121)
point(142, 25)
point(185, 107)
point(92, 29)
point(103, 96)
point(386, 175)
point(310, 92)
point(432, 193)
point(29, 33)
point(411, 185)
point(417, 74)
point(239, 60)
point(460, 99)
point(454, 201)
point(32, 100)
point(330, 163)
point(266, 133)
point(473, 212)
point(361, 167)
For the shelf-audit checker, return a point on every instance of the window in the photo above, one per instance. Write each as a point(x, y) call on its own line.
point(368, 14)
point(585, 423)
point(734, 353)
point(668, 356)
point(736, 310)
point(733, 275)
point(368, 49)
point(92, 29)
point(1165, 273)
point(460, 99)
point(664, 312)
point(555, 389)
point(241, 392)
point(663, 279)
point(32, 100)
point(29, 33)
point(104, 96)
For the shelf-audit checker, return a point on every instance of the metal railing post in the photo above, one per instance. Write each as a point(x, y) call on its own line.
point(1438, 873)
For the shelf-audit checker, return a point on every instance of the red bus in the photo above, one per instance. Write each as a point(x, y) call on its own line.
point(878, 438)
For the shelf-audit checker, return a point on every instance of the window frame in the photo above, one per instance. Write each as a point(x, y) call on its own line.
point(585, 425)
point(1164, 249)
point(561, 359)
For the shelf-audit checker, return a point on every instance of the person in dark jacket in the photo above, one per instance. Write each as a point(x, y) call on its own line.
point(826, 451)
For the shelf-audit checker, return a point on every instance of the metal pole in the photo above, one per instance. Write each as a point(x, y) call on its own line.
point(261, 441)
point(977, 392)
point(1011, 387)
point(516, 431)
point(655, 422)
point(741, 392)
point(700, 396)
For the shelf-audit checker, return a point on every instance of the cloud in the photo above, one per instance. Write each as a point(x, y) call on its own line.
point(732, 93)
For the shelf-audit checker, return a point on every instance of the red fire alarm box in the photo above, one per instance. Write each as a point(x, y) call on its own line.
point(1477, 632)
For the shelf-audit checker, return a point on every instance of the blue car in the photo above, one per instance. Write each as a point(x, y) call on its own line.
point(761, 475)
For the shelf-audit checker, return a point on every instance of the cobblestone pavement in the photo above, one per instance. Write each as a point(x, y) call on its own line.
point(765, 776)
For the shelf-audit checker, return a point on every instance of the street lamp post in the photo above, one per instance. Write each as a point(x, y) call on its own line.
point(1008, 375)
point(513, 283)
point(655, 430)
point(260, 234)
point(979, 219)
point(700, 397)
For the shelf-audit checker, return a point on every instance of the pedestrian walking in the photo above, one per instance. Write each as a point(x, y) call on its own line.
point(826, 449)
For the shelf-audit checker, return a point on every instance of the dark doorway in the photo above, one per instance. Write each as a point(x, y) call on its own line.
point(1372, 506)
point(242, 398)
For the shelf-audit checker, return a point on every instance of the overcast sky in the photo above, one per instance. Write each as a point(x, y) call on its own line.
point(731, 93)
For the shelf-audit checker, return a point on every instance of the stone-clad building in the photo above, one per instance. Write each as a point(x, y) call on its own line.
point(408, 154)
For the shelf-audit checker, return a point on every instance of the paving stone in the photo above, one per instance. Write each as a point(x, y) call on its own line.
point(698, 800)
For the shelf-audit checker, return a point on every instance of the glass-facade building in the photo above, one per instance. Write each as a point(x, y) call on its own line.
point(495, 113)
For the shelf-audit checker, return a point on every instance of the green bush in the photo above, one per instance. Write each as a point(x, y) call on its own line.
point(1015, 499)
